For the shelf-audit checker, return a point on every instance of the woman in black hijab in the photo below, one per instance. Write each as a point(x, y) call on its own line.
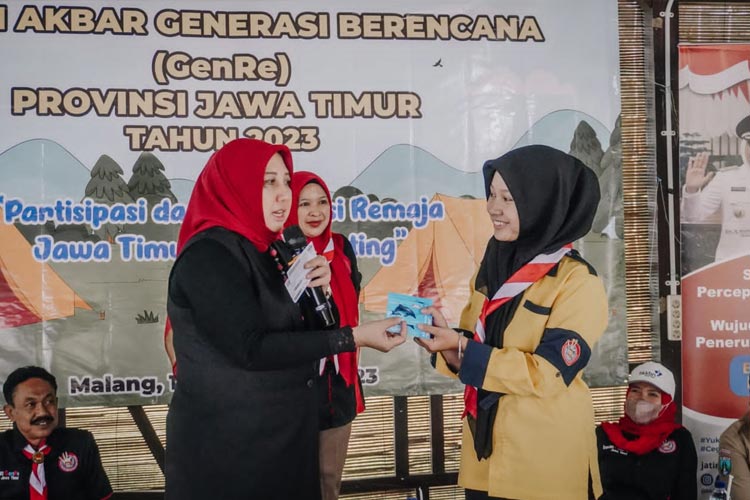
point(536, 310)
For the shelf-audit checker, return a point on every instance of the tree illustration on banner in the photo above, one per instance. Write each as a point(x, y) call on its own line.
point(148, 181)
point(107, 187)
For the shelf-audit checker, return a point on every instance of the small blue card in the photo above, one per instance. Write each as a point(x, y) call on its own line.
point(408, 307)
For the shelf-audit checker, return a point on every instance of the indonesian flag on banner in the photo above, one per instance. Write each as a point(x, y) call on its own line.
point(714, 88)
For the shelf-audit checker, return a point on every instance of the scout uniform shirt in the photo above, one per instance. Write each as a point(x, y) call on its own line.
point(73, 468)
point(543, 435)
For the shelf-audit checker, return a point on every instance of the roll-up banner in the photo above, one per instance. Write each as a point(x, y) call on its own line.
point(715, 235)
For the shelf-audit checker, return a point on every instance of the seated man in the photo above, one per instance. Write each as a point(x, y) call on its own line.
point(38, 461)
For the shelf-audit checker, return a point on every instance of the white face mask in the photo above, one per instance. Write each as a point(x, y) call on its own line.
point(642, 412)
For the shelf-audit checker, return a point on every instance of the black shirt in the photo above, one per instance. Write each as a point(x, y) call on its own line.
point(243, 420)
point(73, 469)
point(214, 286)
point(668, 472)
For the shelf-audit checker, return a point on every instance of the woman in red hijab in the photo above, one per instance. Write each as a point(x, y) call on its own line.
point(340, 389)
point(243, 419)
point(647, 455)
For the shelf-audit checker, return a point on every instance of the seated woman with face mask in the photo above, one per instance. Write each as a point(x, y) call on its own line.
point(646, 454)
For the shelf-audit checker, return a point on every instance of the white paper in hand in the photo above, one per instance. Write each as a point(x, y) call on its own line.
point(296, 281)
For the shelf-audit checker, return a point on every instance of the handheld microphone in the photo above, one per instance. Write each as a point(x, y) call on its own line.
point(294, 243)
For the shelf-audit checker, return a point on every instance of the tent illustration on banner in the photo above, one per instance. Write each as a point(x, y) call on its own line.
point(30, 291)
point(436, 261)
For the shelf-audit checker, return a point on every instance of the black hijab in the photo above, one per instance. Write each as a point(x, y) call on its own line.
point(556, 196)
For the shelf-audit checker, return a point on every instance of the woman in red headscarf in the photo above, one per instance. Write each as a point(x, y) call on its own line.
point(340, 389)
point(243, 419)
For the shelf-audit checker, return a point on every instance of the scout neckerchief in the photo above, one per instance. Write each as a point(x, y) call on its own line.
point(519, 281)
point(37, 482)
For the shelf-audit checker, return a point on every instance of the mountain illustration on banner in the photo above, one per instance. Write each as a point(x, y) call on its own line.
point(405, 172)
point(558, 128)
point(42, 171)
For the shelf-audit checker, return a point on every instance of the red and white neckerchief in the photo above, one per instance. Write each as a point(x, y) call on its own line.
point(37, 482)
point(530, 273)
point(328, 252)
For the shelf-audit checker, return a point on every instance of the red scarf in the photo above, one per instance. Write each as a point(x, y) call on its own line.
point(227, 194)
point(648, 437)
point(228, 191)
point(331, 245)
point(518, 282)
point(37, 481)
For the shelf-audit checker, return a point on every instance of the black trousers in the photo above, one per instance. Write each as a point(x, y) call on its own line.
point(481, 495)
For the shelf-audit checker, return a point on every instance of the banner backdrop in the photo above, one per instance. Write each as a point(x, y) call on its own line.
point(108, 114)
point(714, 99)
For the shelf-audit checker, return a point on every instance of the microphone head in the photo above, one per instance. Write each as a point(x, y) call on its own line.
point(294, 237)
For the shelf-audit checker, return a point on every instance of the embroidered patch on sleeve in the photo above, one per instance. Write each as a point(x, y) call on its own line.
point(565, 350)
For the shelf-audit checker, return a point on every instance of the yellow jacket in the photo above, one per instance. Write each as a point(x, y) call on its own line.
point(544, 445)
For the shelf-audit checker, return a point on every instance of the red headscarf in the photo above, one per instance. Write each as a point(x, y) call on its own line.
point(648, 436)
point(228, 194)
point(342, 288)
